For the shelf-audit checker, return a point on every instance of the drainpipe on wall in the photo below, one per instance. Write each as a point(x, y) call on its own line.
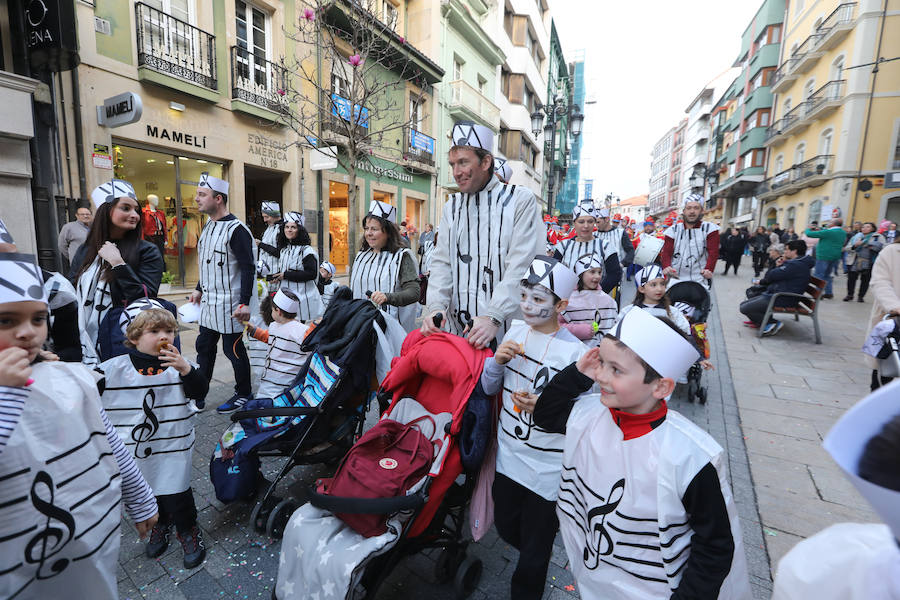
point(79, 137)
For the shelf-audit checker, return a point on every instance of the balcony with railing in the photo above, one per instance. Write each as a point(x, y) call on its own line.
point(418, 147)
point(339, 123)
point(808, 53)
point(784, 75)
point(258, 81)
point(468, 102)
point(792, 121)
point(837, 25)
point(175, 48)
point(825, 100)
point(809, 173)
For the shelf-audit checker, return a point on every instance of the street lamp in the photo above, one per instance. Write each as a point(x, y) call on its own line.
point(555, 112)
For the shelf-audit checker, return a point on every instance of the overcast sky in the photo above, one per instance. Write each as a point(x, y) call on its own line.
point(645, 61)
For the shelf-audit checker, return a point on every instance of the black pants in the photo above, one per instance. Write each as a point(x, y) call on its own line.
point(878, 381)
point(755, 308)
point(759, 261)
point(178, 510)
point(732, 260)
point(528, 523)
point(235, 351)
point(863, 276)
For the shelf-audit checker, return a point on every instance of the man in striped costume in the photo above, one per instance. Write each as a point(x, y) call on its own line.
point(225, 289)
point(691, 248)
point(489, 234)
point(616, 237)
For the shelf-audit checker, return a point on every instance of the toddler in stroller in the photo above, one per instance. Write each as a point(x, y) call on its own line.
point(347, 545)
point(692, 299)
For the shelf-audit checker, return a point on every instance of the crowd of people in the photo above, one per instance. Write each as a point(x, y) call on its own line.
point(586, 443)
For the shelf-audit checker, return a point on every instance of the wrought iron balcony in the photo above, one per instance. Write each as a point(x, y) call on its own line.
point(470, 102)
point(338, 120)
point(813, 171)
point(418, 147)
point(173, 47)
point(825, 99)
point(807, 53)
point(784, 75)
point(257, 81)
point(785, 124)
point(837, 25)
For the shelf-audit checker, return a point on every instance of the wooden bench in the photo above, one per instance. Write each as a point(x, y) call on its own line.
point(808, 306)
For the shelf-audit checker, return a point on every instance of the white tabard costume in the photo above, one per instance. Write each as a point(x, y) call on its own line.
point(673, 314)
point(220, 277)
point(572, 249)
point(486, 244)
point(95, 301)
point(689, 250)
point(270, 237)
point(613, 237)
point(526, 453)
point(59, 539)
point(291, 257)
point(153, 417)
point(328, 290)
point(620, 505)
point(380, 271)
point(283, 358)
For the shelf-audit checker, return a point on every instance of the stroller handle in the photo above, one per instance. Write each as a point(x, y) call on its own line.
point(287, 411)
point(371, 506)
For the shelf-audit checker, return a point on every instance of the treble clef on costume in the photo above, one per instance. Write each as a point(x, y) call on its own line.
point(49, 541)
point(145, 430)
point(597, 540)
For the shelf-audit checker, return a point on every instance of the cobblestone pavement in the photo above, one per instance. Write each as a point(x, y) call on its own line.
point(242, 564)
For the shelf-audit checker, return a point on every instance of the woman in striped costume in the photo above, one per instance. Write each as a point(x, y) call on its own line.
point(298, 266)
point(586, 242)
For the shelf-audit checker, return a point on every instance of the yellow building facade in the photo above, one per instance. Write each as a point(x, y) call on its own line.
point(834, 141)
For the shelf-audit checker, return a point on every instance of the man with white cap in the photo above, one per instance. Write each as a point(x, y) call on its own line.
point(226, 286)
point(490, 232)
point(856, 561)
point(644, 504)
point(268, 244)
point(691, 248)
point(615, 236)
point(586, 241)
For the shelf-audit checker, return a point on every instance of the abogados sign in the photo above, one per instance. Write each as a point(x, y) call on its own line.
point(50, 34)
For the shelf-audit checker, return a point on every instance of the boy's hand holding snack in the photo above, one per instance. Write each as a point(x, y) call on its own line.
point(170, 357)
point(15, 368)
point(507, 351)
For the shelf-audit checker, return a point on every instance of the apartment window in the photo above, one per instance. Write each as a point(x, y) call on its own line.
point(896, 163)
point(837, 68)
point(759, 118)
point(779, 164)
point(767, 75)
point(457, 69)
point(825, 141)
point(340, 85)
point(180, 9)
point(800, 154)
point(504, 83)
point(528, 99)
point(416, 112)
point(508, 22)
point(774, 34)
point(809, 88)
point(252, 38)
point(786, 107)
point(389, 14)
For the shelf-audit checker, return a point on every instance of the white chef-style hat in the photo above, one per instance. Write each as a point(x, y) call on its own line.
point(468, 133)
point(586, 262)
point(288, 305)
point(20, 278)
point(847, 440)
point(648, 274)
point(293, 216)
point(60, 291)
point(329, 267)
point(383, 210)
point(5, 235)
point(112, 189)
point(219, 186)
point(502, 169)
point(135, 308)
point(585, 207)
point(553, 275)
point(602, 213)
point(693, 197)
point(666, 350)
point(271, 208)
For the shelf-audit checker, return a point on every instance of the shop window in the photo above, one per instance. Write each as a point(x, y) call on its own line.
point(338, 226)
point(386, 197)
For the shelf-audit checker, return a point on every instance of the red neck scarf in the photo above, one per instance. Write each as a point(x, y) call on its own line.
point(634, 426)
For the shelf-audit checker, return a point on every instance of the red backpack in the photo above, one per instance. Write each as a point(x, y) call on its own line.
point(385, 463)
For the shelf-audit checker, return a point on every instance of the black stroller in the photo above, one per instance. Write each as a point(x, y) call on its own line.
point(692, 299)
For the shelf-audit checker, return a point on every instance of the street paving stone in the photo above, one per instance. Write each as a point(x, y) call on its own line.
point(243, 564)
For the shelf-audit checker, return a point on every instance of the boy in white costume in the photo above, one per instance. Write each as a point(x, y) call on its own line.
point(326, 283)
point(268, 244)
point(148, 394)
point(62, 486)
point(528, 457)
point(856, 561)
point(644, 506)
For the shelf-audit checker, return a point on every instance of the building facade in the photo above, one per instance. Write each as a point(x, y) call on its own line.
point(676, 158)
point(567, 197)
point(634, 208)
point(559, 92)
point(660, 167)
point(834, 142)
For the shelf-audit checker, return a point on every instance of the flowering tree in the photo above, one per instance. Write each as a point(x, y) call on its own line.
point(348, 83)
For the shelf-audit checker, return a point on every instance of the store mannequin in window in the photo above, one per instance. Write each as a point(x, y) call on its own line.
point(154, 226)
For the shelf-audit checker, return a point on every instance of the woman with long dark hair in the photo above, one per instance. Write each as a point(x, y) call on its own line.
point(383, 268)
point(114, 266)
point(298, 266)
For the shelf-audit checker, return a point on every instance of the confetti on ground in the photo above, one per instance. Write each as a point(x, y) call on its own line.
point(770, 532)
point(570, 588)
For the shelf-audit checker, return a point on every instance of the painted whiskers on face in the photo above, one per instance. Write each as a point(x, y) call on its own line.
point(537, 305)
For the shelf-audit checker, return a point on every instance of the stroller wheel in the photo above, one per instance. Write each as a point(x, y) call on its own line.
point(279, 517)
point(445, 567)
point(467, 577)
point(260, 514)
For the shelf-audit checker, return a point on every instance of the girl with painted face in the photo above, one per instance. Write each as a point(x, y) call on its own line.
point(591, 311)
point(528, 458)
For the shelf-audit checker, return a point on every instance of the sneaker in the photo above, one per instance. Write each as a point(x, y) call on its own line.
point(828, 295)
point(860, 299)
point(773, 328)
point(848, 298)
point(751, 325)
point(232, 404)
point(159, 540)
point(192, 545)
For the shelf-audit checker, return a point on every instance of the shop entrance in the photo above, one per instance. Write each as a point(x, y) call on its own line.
point(260, 186)
point(338, 215)
point(173, 180)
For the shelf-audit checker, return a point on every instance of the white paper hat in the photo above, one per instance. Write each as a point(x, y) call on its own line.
point(109, 191)
point(5, 235)
point(648, 274)
point(848, 438)
point(329, 267)
point(602, 213)
point(553, 275)
point(282, 301)
point(585, 262)
point(661, 347)
point(467, 133)
point(135, 308)
point(585, 207)
point(271, 208)
point(502, 169)
point(693, 197)
point(383, 210)
point(20, 278)
point(189, 312)
point(292, 216)
point(220, 186)
point(60, 291)
point(262, 268)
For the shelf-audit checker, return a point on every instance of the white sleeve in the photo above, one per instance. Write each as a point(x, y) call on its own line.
point(440, 281)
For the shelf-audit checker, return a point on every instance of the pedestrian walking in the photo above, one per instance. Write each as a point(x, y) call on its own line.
point(863, 248)
point(828, 252)
point(226, 289)
point(732, 248)
point(759, 244)
point(267, 261)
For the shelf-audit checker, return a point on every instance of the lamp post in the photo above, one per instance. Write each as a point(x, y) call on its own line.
point(554, 113)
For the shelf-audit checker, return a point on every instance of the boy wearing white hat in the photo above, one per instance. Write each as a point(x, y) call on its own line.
point(268, 243)
point(529, 457)
point(326, 283)
point(644, 504)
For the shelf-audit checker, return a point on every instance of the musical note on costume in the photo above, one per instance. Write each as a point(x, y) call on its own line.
point(49, 541)
point(523, 433)
point(465, 319)
point(145, 430)
point(541, 379)
point(465, 258)
point(597, 541)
